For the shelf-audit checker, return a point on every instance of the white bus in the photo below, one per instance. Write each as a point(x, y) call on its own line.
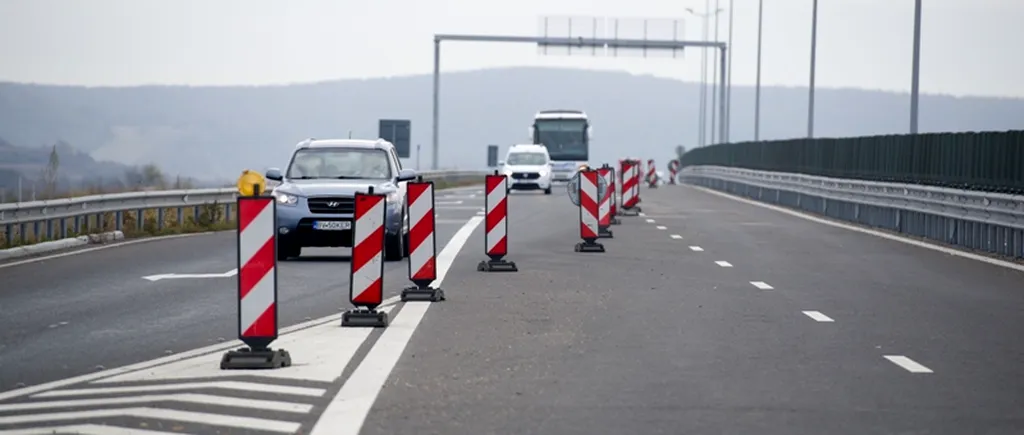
point(566, 135)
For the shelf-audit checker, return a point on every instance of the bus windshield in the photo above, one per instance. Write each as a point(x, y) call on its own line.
point(565, 139)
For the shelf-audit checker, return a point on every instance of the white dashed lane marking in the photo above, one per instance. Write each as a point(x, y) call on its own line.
point(818, 316)
point(696, 249)
point(908, 364)
point(723, 263)
point(650, 221)
point(761, 285)
point(661, 227)
point(676, 236)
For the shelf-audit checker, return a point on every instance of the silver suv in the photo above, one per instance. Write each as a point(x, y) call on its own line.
point(316, 197)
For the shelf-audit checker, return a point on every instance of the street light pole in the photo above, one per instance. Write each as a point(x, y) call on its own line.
point(814, 47)
point(757, 87)
point(714, 81)
point(915, 80)
point(728, 104)
point(704, 79)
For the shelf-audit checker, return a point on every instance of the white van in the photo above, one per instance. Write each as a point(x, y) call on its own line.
point(528, 167)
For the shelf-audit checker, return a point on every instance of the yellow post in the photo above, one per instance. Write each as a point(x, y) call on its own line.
point(251, 183)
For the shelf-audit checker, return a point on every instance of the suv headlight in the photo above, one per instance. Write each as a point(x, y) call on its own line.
point(286, 198)
point(544, 172)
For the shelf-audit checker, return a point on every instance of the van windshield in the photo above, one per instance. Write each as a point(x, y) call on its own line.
point(527, 159)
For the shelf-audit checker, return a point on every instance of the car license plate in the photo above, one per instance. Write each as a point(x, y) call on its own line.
point(332, 225)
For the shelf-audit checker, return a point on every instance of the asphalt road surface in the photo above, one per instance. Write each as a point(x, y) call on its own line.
point(705, 315)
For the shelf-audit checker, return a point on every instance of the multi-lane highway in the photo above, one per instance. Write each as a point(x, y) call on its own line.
point(705, 315)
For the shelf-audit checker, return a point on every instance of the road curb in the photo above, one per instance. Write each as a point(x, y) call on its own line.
point(59, 245)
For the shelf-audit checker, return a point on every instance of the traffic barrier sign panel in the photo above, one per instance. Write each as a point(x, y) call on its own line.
point(589, 210)
point(366, 282)
point(496, 225)
point(422, 243)
point(257, 287)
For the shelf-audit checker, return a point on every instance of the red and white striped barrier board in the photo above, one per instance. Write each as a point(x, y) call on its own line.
point(257, 286)
point(604, 206)
point(366, 283)
point(652, 174)
point(422, 245)
point(496, 225)
point(616, 196)
point(589, 212)
point(673, 170)
point(630, 184)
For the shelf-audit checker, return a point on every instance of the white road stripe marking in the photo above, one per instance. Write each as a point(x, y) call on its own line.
point(818, 316)
point(761, 285)
point(723, 263)
point(650, 221)
point(226, 385)
point(661, 227)
point(908, 364)
point(160, 414)
point(676, 236)
point(641, 214)
point(86, 429)
point(202, 399)
point(696, 249)
point(347, 411)
point(319, 354)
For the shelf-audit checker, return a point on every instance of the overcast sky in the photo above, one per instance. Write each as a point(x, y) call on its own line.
point(969, 46)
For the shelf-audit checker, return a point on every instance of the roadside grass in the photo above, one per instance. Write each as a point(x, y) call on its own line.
point(197, 219)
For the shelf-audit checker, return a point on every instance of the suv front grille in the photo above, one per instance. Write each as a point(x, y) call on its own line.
point(332, 205)
point(525, 175)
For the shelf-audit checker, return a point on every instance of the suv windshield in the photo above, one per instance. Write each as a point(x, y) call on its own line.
point(532, 159)
point(309, 163)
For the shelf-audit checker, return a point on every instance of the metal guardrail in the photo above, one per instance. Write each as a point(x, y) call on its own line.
point(974, 220)
point(57, 218)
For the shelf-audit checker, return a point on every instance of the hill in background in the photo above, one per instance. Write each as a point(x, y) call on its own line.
point(214, 132)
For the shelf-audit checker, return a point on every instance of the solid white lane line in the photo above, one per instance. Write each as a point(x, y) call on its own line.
point(723, 263)
point(347, 411)
point(818, 316)
point(226, 385)
point(159, 414)
point(86, 429)
point(676, 236)
point(202, 399)
point(761, 285)
point(696, 249)
point(661, 227)
point(908, 364)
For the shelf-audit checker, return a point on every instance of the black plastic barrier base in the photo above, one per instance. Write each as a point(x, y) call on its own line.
point(604, 233)
point(615, 221)
point(589, 246)
point(364, 319)
point(416, 293)
point(497, 266)
point(249, 359)
point(631, 212)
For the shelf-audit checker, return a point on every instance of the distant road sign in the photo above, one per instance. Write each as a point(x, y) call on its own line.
point(492, 156)
point(398, 132)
